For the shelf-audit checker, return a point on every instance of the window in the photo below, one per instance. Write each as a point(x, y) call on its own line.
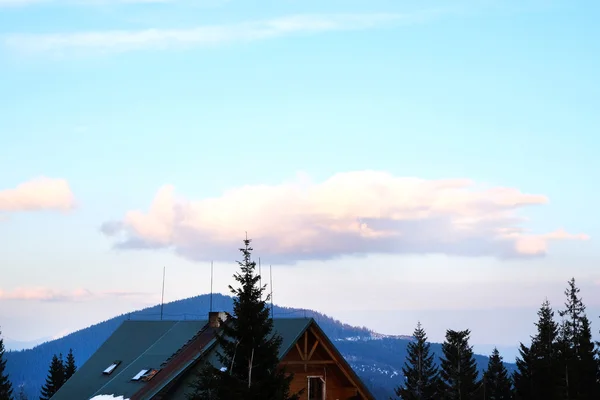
point(111, 368)
point(316, 388)
point(149, 375)
point(139, 375)
point(145, 375)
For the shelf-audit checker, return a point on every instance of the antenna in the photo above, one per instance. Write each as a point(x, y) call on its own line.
point(162, 299)
point(260, 278)
point(211, 285)
point(271, 279)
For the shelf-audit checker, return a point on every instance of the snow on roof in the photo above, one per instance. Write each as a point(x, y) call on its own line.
point(108, 397)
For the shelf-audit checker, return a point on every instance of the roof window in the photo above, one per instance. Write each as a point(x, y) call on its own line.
point(111, 368)
point(139, 375)
point(149, 375)
point(145, 375)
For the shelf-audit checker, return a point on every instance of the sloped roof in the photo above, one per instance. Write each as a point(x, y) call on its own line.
point(290, 330)
point(137, 345)
point(181, 361)
point(174, 345)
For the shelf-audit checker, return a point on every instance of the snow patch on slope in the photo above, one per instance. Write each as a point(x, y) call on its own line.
point(390, 373)
point(108, 397)
point(374, 336)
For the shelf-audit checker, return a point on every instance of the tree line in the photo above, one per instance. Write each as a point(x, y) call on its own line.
point(58, 373)
point(561, 363)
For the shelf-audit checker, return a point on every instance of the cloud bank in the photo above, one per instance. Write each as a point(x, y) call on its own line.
point(51, 295)
point(210, 35)
point(38, 194)
point(353, 213)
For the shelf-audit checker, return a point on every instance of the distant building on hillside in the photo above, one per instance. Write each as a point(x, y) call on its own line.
point(152, 360)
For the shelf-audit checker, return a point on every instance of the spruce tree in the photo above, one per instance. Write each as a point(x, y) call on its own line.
point(497, 384)
point(6, 391)
point(55, 378)
point(539, 373)
point(570, 332)
point(522, 377)
point(458, 368)
point(577, 351)
point(588, 367)
point(250, 350)
point(420, 372)
point(70, 367)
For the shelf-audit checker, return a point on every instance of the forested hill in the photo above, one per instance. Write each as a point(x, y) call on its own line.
point(376, 358)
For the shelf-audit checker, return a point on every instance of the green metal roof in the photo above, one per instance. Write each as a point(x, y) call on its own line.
point(138, 345)
point(290, 330)
point(148, 344)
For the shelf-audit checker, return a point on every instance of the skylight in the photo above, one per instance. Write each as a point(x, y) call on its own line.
point(149, 375)
point(111, 368)
point(139, 375)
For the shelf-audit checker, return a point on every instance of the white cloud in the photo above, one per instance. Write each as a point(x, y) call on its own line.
point(354, 213)
point(38, 194)
point(210, 35)
point(47, 294)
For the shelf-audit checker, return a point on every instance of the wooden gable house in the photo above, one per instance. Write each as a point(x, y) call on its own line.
point(158, 360)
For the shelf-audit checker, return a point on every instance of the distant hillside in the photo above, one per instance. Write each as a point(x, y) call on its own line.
point(376, 358)
point(11, 344)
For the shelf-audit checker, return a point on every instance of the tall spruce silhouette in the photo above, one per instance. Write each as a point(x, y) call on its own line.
point(578, 363)
point(522, 376)
point(497, 384)
point(588, 367)
point(538, 375)
point(570, 332)
point(70, 366)
point(420, 372)
point(55, 378)
point(6, 390)
point(458, 368)
point(250, 349)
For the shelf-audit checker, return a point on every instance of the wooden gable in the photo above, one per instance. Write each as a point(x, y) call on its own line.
point(321, 370)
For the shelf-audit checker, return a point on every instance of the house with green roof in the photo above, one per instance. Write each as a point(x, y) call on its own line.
point(158, 360)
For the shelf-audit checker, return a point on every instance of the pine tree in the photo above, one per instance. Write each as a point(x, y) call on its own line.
point(55, 379)
point(570, 331)
point(6, 391)
point(250, 350)
point(70, 367)
point(538, 376)
point(577, 352)
point(588, 367)
point(497, 384)
point(522, 377)
point(458, 368)
point(420, 372)
point(207, 384)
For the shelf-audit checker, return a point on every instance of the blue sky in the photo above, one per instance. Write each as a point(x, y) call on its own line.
point(117, 99)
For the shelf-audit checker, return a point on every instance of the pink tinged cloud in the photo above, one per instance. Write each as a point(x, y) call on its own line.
point(38, 194)
point(53, 295)
point(353, 213)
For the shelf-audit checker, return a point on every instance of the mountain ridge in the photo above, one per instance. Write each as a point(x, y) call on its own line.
point(377, 358)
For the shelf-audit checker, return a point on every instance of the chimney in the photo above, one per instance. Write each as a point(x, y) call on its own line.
point(215, 318)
